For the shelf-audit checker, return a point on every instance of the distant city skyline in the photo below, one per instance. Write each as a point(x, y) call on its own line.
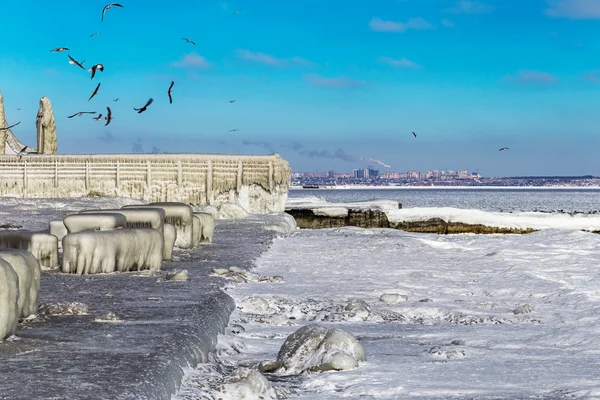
point(335, 86)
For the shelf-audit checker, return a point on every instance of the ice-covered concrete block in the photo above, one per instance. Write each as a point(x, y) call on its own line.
point(169, 234)
point(180, 216)
point(58, 229)
point(28, 269)
point(207, 226)
point(43, 246)
point(145, 218)
point(9, 296)
point(195, 231)
point(119, 250)
point(94, 222)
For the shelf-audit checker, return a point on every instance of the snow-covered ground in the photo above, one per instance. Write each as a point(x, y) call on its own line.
point(465, 316)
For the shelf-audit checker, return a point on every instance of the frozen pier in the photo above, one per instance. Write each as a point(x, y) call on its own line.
point(158, 328)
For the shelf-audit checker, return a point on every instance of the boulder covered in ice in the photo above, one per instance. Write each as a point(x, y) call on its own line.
point(180, 215)
point(28, 270)
point(230, 211)
point(316, 348)
point(245, 383)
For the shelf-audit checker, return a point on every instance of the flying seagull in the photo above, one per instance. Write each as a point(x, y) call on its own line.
point(93, 34)
point(503, 148)
point(169, 92)
point(233, 130)
point(94, 68)
point(117, 99)
point(232, 101)
point(189, 41)
point(8, 127)
point(98, 118)
point(141, 110)
point(59, 49)
point(414, 134)
point(109, 6)
point(108, 117)
point(75, 62)
point(80, 113)
point(95, 92)
point(237, 11)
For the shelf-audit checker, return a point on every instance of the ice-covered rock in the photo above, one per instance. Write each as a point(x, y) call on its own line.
point(64, 308)
point(392, 298)
point(46, 128)
point(28, 270)
point(43, 246)
point(245, 383)
point(230, 211)
point(286, 224)
point(254, 304)
point(207, 226)
point(94, 221)
point(9, 297)
point(178, 275)
point(316, 348)
point(92, 252)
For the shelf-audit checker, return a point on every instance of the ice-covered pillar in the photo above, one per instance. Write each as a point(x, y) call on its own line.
point(209, 183)
point(3, 124)
point(46, 128)
point(240, 175)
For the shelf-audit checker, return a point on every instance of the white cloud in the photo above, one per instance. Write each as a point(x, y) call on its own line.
point(447, 23)
point(379, 25)
point(470, 7)
point(401, 63)
point(268, 59)
point(532, 77)
point(316, 80)
point(574, 9)
point(191, 60)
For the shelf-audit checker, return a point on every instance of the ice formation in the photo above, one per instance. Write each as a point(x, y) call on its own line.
point(180, 216)
point(258, 184)
point(94, 221)
point(145, 218)
point(245, 383)
point(315, 348)
point(58, 229)
point(207, 226)
point(28, 269)
point(92, 252)
point(9, 296)
point(46, 128)
point(195, 231)
point(43, 246)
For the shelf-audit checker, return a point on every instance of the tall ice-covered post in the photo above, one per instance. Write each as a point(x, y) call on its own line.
point(3, 124)
point(46, 128)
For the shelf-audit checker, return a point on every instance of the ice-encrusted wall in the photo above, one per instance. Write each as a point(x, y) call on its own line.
point(259, 184)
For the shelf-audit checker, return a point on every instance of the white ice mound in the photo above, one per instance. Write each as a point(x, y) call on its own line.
point(92, 252)
point(254, 304)
point(230, 211)
point(9, 296)
point(94, 221)
point(244, 383)
point(58, 229)
point(207, 226)
point(28, 270)
point(285, 224)
point(315, 348)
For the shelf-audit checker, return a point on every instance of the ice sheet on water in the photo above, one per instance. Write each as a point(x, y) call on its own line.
point(481, 316)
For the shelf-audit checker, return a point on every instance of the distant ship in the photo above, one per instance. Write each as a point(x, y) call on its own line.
point(310, 187)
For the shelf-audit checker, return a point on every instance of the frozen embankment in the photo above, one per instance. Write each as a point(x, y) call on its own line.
point(132, 335)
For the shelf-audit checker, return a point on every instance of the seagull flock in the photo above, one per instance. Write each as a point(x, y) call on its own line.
point(100, 67)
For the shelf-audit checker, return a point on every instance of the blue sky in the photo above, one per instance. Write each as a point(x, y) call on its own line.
point(326, 84)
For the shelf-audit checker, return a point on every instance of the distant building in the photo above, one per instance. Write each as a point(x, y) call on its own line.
point(361, 173)
point(373, 173)
point(331, 174)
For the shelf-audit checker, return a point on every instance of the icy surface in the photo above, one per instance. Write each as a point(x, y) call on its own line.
point(160, 328)
point(474, 316)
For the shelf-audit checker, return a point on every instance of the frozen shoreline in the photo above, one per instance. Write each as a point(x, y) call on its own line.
point(166, 327)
